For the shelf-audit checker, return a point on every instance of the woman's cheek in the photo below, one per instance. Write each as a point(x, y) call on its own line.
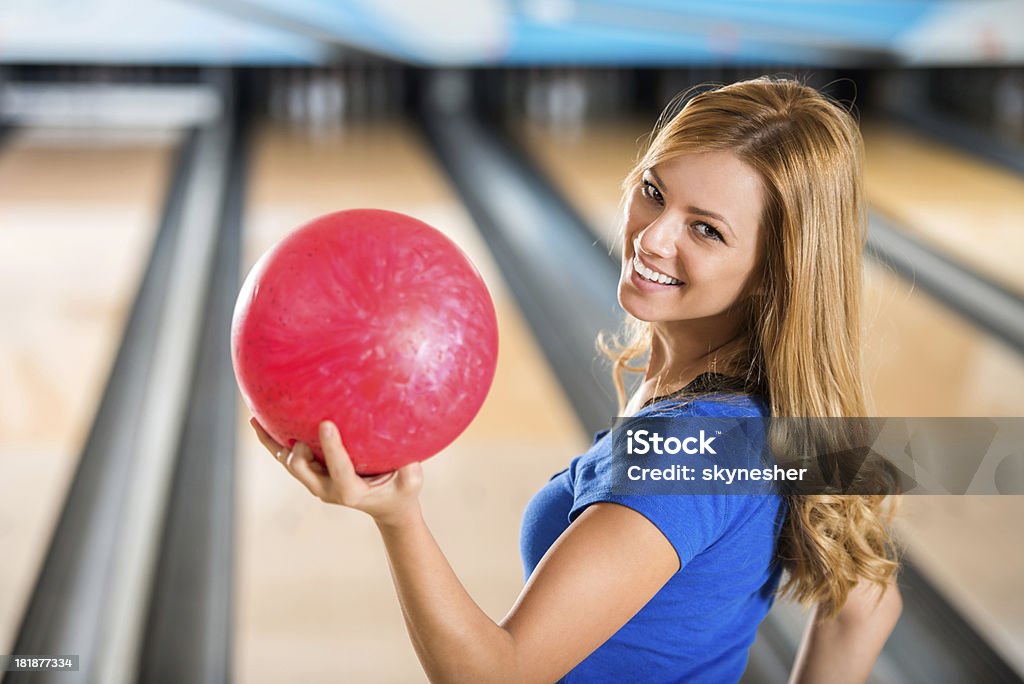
point(638, 208)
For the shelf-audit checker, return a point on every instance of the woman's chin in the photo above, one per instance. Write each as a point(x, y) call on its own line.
point(637, 306)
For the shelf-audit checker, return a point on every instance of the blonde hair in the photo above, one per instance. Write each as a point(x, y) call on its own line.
point(801, 340)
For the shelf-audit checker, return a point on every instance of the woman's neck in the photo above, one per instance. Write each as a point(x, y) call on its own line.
point(681, 357)
point(682, 351)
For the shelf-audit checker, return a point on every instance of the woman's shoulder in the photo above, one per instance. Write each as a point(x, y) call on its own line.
point(710, 395)
point(712, 405)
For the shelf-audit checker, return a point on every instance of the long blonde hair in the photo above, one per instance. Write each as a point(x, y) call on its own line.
point(802, 350)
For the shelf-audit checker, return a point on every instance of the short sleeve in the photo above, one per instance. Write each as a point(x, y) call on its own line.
point(690, 522)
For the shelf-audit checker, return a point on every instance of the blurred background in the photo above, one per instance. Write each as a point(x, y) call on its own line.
point(151, 150)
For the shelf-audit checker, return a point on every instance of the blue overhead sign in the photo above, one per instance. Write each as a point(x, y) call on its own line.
point(515, 32)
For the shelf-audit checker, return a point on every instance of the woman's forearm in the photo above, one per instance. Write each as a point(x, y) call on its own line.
point(454, 639)
point(843, 649)
point(832, 653)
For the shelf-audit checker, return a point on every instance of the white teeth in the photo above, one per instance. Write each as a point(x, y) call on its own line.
point(652, 275)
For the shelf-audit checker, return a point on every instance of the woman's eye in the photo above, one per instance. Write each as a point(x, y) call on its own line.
point(650, 192)
point(710, 233)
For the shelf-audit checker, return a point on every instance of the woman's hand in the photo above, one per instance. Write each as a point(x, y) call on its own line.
point(389, 498)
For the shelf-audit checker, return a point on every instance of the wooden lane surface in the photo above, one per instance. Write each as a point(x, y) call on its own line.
point(964, 206)
point(315, 600)
point(920, 359)
point(588, 167)
point(78, 215)
point(923, 360)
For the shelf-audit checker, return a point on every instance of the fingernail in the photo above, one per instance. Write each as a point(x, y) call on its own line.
point(328, 427)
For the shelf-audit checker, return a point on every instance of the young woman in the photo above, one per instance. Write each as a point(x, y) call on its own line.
point(741, 261)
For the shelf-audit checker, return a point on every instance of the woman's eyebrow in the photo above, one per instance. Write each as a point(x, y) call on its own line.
point(695, 210)
point(711, 214)
point(656, 176)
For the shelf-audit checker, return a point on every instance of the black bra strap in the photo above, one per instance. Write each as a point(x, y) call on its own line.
point(705, 382)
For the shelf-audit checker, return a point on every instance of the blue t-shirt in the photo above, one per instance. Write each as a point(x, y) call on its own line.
point(700, 625)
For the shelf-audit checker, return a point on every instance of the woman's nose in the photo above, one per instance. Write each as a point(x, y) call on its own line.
point(658, 239)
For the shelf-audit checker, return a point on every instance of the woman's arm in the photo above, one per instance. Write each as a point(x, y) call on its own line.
point(601, 571)
point(843, 649)
point(453, 638)
point(595, 577)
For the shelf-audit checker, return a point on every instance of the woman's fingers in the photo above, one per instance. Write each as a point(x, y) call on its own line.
point(374, 480)
point(410, 476)
point(339, 465)
point(266, 440)
point(335, 480)
point(300, 464)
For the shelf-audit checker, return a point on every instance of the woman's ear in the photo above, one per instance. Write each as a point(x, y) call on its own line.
point(759, 286)
point(756, 290)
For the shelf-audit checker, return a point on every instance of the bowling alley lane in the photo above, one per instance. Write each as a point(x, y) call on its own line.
point(967, 546)
point(966, 207)
point(315, 600)
point(921, 359)
point(587, 165)
point(78, 214)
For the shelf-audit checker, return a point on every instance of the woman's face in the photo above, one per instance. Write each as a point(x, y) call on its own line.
point(692, 223)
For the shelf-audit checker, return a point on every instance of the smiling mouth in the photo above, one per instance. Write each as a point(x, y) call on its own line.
point(652, 275)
